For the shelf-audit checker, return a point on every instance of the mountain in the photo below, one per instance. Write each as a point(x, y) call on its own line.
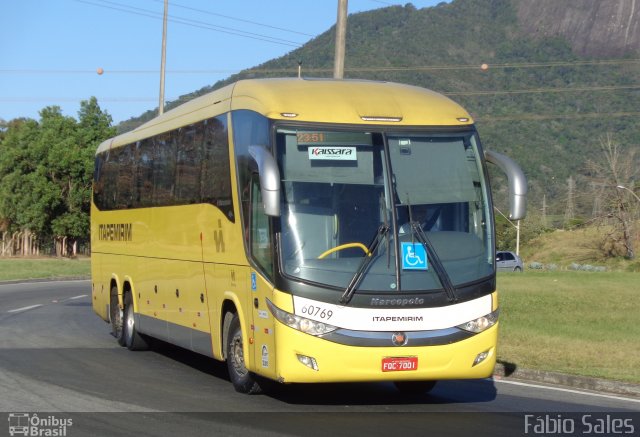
point(604, 28)
point(561, 74)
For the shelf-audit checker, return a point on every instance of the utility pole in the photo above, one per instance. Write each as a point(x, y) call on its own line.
point(163, 58)
point(515, 225)
point(341, 37)
point(596, 211)
point(569, 212)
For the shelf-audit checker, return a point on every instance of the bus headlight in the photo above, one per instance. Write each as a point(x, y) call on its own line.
point(481, 323)
point(302, 324)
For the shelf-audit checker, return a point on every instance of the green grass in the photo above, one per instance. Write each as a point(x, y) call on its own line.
point(38, 268)
point(572, 322)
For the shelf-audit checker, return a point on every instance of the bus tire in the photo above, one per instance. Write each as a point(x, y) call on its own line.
point(132, 338)
point(243, 381)
point(115, 317)
point(414, 387)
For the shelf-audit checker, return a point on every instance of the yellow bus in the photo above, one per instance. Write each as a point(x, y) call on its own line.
point(304, 231)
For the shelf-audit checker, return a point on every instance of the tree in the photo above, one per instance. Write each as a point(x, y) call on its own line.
point(20, 179)
point(71, 163)
point(530, 228)
point(46, 172)
point(617, 167)
point(25, 197)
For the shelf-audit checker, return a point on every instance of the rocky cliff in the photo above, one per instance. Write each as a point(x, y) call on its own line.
point(600, 28)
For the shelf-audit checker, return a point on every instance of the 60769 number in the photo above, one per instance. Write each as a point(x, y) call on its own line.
point(317, 311)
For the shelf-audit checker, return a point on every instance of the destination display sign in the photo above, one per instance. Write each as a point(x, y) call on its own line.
point(332, 139)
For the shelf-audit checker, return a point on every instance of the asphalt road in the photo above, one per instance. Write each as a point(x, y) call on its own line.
point(59, 362)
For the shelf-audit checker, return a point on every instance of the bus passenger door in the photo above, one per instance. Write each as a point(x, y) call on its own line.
point(261, 247)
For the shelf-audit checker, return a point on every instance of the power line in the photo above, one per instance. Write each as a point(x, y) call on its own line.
point(173, 4)
point(76, 99)
point(595, 88)
point(575, 63)
point(329, 70)
point(201, 24)
point(489, 67)
point(189, 22)
point(608, 62)
point(58, 71)
point(51, 71)
point(541, 117)
point(385, 3)
point(543, 90)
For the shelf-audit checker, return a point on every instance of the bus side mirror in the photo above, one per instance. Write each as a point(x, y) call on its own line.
point(517, 183)
point(269, 179)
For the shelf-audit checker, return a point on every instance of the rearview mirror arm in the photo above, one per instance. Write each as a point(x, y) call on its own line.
point(269, 179)
point(517, 183)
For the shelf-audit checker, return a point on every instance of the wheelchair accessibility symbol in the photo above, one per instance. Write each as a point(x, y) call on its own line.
point(414, 257)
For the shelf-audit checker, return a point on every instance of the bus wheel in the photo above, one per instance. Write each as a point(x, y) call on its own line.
point(133, 340)
point(115, 317)
point(241, 378)
point(414, 387)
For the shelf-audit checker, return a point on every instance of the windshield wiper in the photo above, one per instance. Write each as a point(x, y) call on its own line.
point(382, 230)
point(383, 207)
point(441, 272)
point(443, 276)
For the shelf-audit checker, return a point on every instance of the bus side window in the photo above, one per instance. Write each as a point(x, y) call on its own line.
point(260, 230)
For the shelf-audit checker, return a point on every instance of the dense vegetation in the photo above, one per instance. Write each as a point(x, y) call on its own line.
point(46, 170)
point(536, 100)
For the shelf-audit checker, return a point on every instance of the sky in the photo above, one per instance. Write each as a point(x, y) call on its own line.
point(51, 51)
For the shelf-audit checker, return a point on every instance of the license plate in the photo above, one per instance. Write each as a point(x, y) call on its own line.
point(399, 364)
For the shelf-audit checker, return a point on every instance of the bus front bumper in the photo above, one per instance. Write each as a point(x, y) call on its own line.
point(302, 358)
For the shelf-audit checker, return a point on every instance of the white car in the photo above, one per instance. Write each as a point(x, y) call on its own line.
point(508, 262)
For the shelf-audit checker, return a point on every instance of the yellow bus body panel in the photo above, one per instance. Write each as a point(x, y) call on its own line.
point(330, 101)
point(323, 101)
point(176, 254)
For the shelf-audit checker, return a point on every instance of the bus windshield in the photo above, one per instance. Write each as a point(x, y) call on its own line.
point(355, 194)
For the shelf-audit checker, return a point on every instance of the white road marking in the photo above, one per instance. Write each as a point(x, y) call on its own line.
point(24, 308)
point(78, 297)
point(568, 390)
point(30, 307)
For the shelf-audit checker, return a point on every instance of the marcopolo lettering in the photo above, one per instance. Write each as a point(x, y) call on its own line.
point(401, 302)
point(115, 232)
